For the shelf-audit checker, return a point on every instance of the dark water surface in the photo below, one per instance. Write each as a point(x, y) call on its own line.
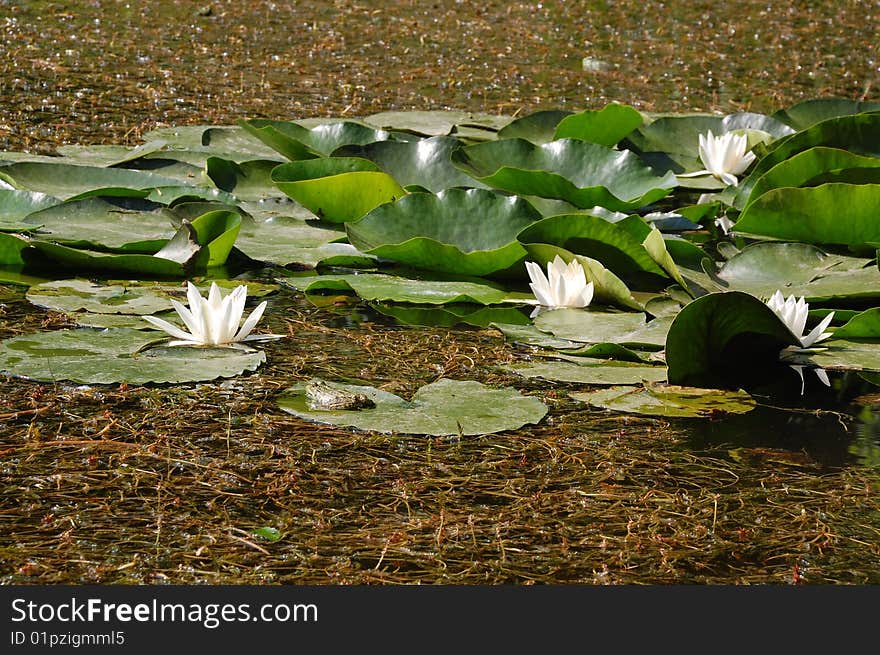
point(779, 496)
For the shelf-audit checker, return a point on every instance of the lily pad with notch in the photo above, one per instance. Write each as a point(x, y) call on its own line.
point(442, 408)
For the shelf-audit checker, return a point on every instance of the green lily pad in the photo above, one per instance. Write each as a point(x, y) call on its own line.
point(864, 325)
point(337, 189)
point(126, 225)
point(584, 174)
point(800, 269)
point(74, 295)
point(817, 166)
point(807, 113)
point(606, 126)
point(596, 238)
point(107, 155)
point(845, 355)
point(69, 181)
point(397, 288)
point(437, 122)
point(844, 214)
point(80, 260)
point(248, 180)
point(859, 133)
point(568, 371)
point(724, 340)
point(16, 205)
point(458, 231)
point(424, 164)
point(217, 140)
point(529, 335)
point(669, 401)
point(89, 356)
point(537, 127)
point(590, 326)
point(285, 241)
point(443, 408)
point(297, 142)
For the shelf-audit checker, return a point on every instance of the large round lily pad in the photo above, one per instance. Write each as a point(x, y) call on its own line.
point(836, 213)
point(461, 231)
point(425, 164)
point(337, 189)
point(443, 408)
point(111, 356)
point(723, 340)
point(584, 174)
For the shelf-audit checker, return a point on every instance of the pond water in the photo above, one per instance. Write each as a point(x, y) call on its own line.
point(783, 495)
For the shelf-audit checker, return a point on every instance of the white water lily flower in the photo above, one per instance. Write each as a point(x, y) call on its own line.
point(565, 285)
point(724, 156)
point(213, 321)
point(793, 313)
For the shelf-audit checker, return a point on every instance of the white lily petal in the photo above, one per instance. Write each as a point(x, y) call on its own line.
point(250, 322)
point(540, 286)
point(195, 307)
point(188, 319)
point(822, 375)
point(818, 333)
point(165, 326)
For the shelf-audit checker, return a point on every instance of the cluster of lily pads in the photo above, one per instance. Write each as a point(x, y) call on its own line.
point(691, 258)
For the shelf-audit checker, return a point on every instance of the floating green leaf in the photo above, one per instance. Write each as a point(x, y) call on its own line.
point(537, 127)
point(859, 133)
point(121, 225)
point(114, 356)
point(592, 326)
point(606, 126)
point(817, 166)
point(337, 189)
point(724, 340)
point(590, 374)
point(83, 295)
point(398, 288)
point(864, 325)
point(464, 232)
point(584, 174)
point(596, 238)
point(844, 214)
point(807, 113)
point(425, 164)
point(69, 181)
point(443, 408)
point(248, 180)
point(16, 205)
point(669, 401)
point(297, 142)
point(438, 122)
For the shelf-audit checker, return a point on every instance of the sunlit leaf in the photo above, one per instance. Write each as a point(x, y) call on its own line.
point(444, 407)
